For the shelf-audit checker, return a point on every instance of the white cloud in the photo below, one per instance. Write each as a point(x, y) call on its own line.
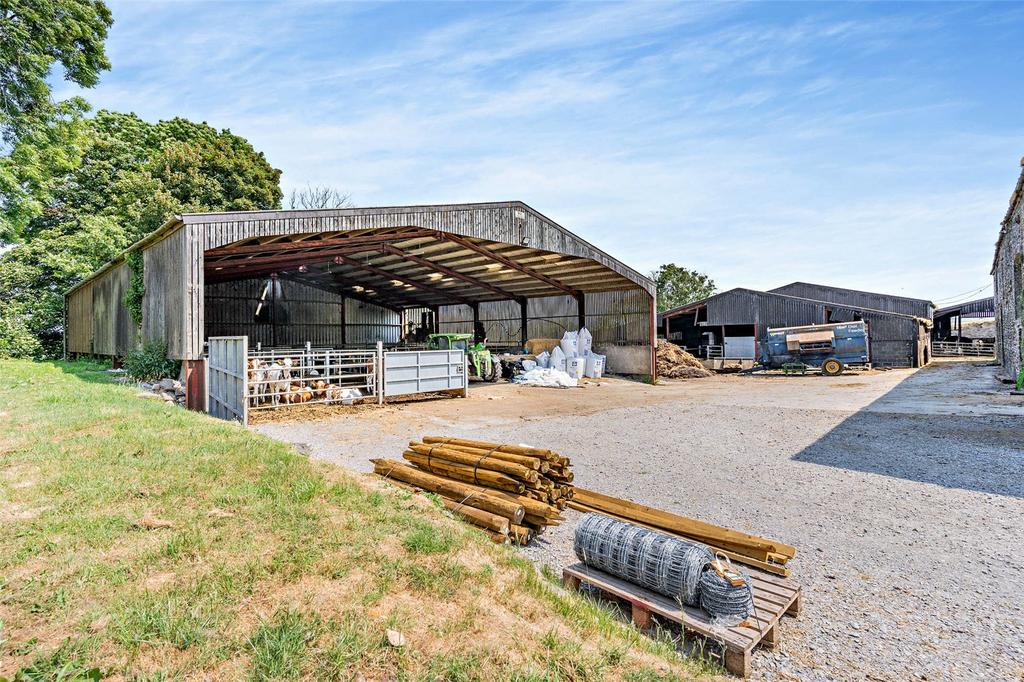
point(757, 147)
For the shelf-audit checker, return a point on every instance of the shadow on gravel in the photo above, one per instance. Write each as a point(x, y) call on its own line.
point(899, 436)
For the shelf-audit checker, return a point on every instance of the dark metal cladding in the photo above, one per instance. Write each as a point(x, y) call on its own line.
point(860, 299)
point(897, 340)
point(982, 307)
point(292, 314)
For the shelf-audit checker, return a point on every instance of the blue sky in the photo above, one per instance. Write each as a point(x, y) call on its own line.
point(864, 145)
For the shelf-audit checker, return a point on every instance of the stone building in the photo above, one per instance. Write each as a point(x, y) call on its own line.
point(1008, 284)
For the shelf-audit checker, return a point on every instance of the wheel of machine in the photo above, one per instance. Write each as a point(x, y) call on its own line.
point(831, 367)
point(493, 374)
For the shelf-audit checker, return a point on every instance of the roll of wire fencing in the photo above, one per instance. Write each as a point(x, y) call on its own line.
point(725, 602)
point(665, 564)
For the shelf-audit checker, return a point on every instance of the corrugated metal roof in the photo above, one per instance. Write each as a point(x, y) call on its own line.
point(868, 299)
point(753, 293)
point(981, 305)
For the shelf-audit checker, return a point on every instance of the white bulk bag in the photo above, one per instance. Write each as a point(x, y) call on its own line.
point(570, 344)
point(543, 359)
point(557, 360)
point(574, 367)
point(586, 342)
point(595, 366)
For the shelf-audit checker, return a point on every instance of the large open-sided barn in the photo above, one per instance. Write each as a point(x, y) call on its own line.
point(352, 277)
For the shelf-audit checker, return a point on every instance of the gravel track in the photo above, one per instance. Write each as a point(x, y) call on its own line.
point(905, 502)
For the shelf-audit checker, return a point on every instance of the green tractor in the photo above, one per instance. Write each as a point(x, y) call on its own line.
point(481, 364)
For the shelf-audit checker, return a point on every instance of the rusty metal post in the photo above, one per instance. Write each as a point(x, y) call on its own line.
point(195, 385)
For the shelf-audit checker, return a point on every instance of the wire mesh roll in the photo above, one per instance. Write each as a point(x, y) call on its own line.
point(659, 562)
point(723, 600)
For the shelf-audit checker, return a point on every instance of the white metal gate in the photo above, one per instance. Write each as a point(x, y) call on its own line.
point(955, 349)
point(423, 371)
point(226, 367)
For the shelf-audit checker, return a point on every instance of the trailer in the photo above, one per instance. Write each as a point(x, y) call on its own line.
point(832, 347)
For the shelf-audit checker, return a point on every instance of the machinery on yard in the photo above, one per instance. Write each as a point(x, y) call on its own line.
point(481, 363)
point(832, 347)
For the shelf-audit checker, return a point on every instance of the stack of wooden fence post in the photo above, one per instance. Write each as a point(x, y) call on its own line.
point(513, 492)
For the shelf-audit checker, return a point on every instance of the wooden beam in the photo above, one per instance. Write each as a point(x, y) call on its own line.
point(507, 262)
point(414, 298)
point(469, 279)
point(285, 261)
point(341, 290)
point(390, 275)
point(293, 245)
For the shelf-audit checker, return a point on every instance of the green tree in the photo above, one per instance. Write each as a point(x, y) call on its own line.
point(30, 174)
point(16, 339)
point(35, 35)
point(35, 275)
point(76, 193)
point(678, 286)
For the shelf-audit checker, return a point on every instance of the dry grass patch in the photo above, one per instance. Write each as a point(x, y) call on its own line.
point(255, 562)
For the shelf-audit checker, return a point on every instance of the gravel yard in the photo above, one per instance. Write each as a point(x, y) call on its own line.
point(903, 492)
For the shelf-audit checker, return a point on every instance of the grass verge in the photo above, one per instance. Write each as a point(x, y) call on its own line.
point(141, 541)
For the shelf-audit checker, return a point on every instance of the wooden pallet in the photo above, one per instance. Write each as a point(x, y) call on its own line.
point(773, 598)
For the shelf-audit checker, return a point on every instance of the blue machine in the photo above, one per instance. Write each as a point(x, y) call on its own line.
point(832, 347)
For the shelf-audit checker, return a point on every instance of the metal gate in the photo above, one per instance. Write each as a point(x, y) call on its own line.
point(423, 371)
point(226, 368)
point(948, 349)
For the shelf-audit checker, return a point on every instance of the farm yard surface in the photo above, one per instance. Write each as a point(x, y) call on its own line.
point(902, 490)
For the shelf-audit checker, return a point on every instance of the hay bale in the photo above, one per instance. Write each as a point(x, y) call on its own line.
point(538, 346)
point(676, 363)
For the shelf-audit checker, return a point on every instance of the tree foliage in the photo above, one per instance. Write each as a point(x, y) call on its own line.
point(78, 191)
point(35, 35)
point(678, 286)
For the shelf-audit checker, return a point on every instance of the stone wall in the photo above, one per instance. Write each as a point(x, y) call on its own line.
point(1008, 285)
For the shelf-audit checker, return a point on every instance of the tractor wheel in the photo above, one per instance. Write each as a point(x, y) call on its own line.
point(831, 367)
point(491, 375)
